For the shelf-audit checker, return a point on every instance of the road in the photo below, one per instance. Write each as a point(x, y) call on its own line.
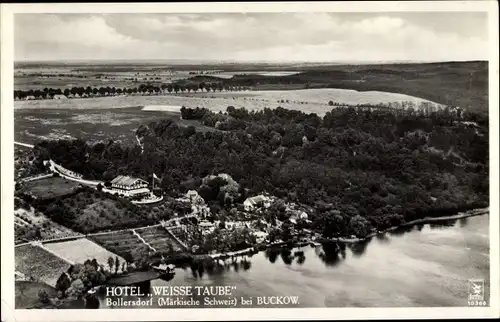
point(31, 146)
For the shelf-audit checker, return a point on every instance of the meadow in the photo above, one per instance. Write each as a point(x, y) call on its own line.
point(117, 118)
point(92, 124)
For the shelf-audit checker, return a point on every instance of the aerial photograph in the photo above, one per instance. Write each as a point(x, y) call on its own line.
point(251, 160)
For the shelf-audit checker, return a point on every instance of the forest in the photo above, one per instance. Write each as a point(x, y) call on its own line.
point(359, 168)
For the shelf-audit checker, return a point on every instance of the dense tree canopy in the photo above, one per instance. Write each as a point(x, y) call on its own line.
point(358, 167)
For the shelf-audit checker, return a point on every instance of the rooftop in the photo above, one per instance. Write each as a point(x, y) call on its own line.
point(256, 199)
point(126, 181)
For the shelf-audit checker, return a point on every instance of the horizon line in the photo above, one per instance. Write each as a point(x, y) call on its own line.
point(215, 61)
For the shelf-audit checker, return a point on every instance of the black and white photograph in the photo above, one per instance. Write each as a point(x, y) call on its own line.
point(251, 159)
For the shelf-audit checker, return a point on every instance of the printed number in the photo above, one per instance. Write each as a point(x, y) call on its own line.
point(477, 303)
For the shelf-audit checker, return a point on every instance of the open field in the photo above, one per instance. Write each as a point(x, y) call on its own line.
point(463, 84)
point(80, 250)
point(28, 259)
point(49, 188)
point(159, 239)
point(92, 124)
point(122, 74)
point(308, 100)
point(230, 74)
point(121, 243)
point(67, 77)
point(117, 118)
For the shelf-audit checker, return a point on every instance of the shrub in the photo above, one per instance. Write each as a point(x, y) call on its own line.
point(43, 296)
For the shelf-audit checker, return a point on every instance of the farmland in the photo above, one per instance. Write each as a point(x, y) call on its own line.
point(33, 75)
point(28, 259)
point(121, 243)
point(159, 239)
point(463, 84)
point(49, 188)
point(309, 100)
point(39, 78)
point(80, 250)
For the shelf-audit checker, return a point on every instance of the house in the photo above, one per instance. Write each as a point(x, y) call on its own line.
point(30, 98)
point(206, 227)
point(260, 236)
point(194, 197)
point(198, 205)
point(129, 186)
point(237, 224)
point(60, 97)
point(299, 215)
point(256, 202)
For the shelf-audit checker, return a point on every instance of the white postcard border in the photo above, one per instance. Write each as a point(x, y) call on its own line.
point(7, 154)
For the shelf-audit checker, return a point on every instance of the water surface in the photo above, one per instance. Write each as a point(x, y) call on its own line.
point(429, 265)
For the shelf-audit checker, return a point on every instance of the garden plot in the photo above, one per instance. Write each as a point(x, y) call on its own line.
point(121, 243)
point(159, 239)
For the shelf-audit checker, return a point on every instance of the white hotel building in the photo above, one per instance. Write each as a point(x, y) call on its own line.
point(129, 187)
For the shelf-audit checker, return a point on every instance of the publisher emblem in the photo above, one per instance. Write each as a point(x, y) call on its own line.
point(476, 290)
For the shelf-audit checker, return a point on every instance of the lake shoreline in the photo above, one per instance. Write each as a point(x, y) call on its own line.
point(423, 221)
point(309, 241)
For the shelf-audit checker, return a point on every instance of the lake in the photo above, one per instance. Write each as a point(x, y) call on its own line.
point(423, 266)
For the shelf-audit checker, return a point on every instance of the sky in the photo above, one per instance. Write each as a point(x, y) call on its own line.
point(276, 37)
